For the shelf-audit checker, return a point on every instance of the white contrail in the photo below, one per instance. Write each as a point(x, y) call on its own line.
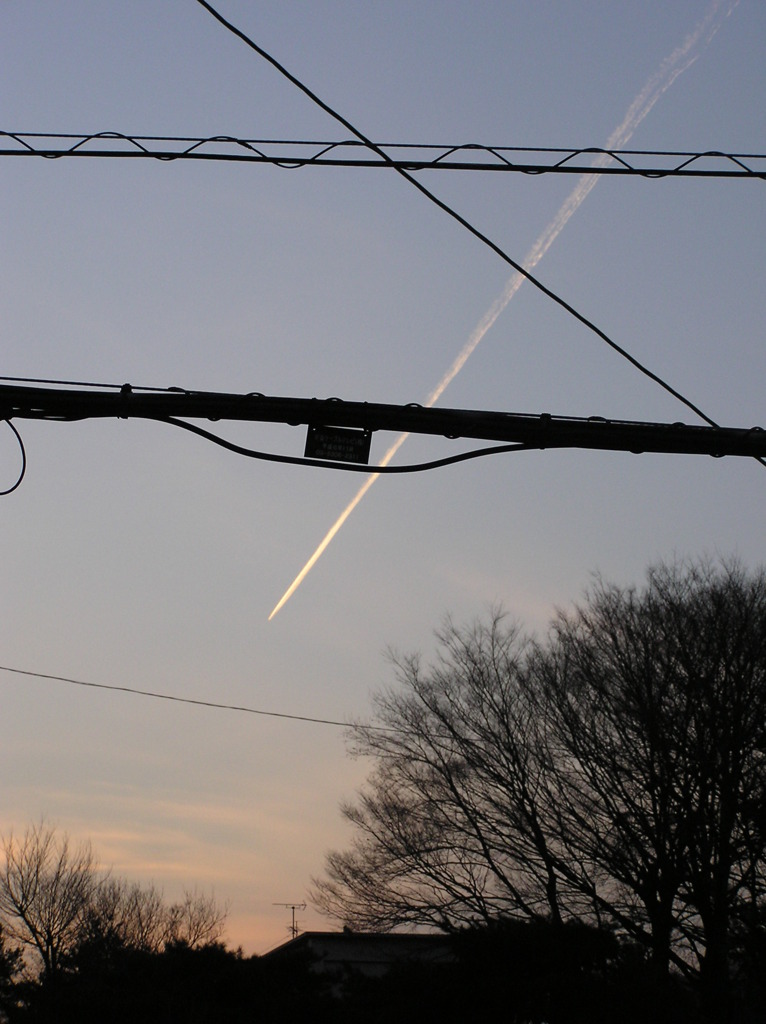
point(674, 65)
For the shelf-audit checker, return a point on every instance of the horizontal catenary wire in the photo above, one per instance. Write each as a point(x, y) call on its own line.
point(292, 154)
point(187, 700)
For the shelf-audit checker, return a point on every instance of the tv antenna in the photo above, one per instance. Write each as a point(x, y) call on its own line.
point(293, 907)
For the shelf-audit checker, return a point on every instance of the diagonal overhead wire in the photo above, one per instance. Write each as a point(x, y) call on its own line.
point(674, 65)
point(680, 59)
point(518, 267)
point(197, 702)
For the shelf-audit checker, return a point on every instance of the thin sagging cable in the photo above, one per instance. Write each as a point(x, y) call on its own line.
point(349, 467)
point(294, 460)
point(518, 267)
point(9, 491)
point(156, 695)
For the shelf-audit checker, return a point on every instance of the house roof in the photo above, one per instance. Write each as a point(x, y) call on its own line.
point(367, 952)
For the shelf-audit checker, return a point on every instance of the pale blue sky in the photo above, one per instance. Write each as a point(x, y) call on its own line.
point(136, 555)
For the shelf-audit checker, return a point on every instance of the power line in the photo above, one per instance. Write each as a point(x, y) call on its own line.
point(180, 700)
point(384, 159)
point(515, 431)
point(86, 384)
point(293, 154)
point(518, 267)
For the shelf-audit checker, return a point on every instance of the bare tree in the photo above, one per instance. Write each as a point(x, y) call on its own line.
point(45, 887)
point(658, 702)
point(615, 772)
point(55, 902)
point(449, 828)
point(196, 921)
point(126, 915)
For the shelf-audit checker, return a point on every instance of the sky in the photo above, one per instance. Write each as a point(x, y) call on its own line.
point(136, 555)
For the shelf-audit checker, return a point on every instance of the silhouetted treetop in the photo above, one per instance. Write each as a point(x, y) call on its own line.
point(612, 773)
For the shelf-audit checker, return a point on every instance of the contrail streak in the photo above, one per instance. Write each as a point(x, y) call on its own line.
point(657, 85)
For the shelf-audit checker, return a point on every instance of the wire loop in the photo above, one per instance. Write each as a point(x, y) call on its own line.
point(9, 490)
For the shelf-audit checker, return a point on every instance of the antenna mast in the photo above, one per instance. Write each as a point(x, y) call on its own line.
point(293, 907)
